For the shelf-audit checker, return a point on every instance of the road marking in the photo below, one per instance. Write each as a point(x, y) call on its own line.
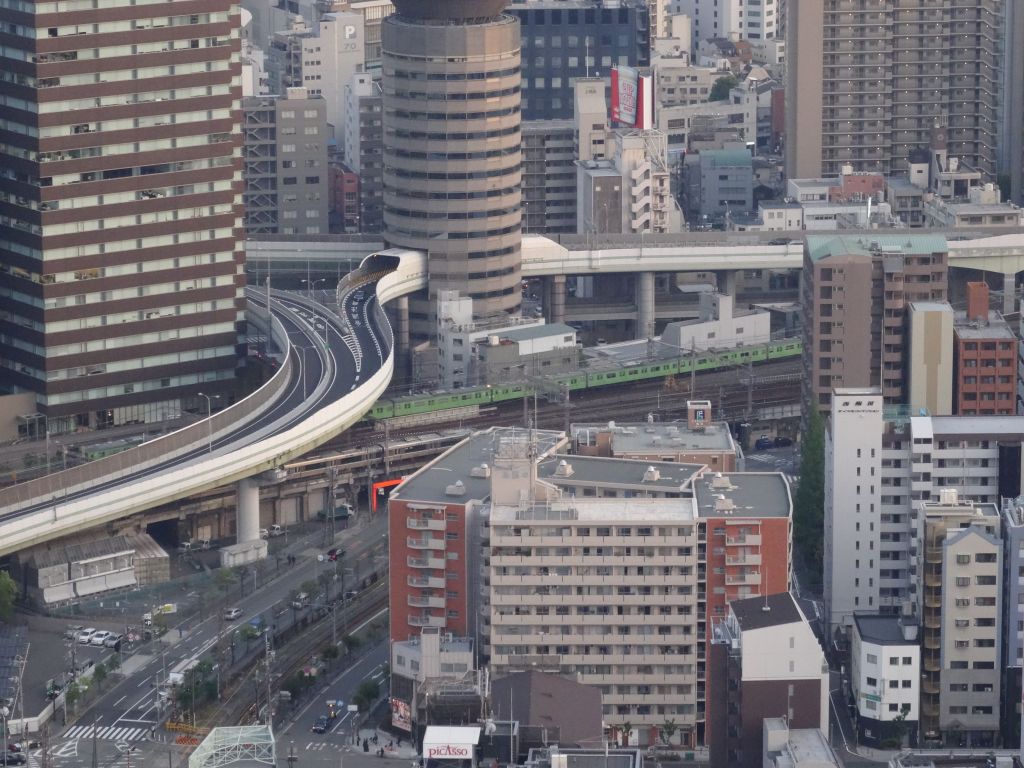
point(121, 699)
point(108, 733)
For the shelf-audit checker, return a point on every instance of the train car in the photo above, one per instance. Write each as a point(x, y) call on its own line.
point(705, 361)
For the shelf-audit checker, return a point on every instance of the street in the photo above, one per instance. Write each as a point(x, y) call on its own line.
point(125, 714)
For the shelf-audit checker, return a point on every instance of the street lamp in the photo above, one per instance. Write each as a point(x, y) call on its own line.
point(209, 419)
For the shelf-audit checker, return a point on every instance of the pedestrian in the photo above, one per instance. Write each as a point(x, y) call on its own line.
point(399, 741)
point(366, 745)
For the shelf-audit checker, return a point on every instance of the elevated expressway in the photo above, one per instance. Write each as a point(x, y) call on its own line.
point(350, 361)
point(725, 253)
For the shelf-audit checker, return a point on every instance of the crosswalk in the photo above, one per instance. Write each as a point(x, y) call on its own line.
point(108, 733)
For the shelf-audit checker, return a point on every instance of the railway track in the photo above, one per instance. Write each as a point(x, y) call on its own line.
point(237, 704)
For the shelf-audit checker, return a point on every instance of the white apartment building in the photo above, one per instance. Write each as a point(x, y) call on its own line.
point(885, 676)
point(732, 19)
point(321, 58)
point(853, 520)
point(920, 457)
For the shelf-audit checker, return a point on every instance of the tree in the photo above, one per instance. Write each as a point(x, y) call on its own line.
point(72, 694)
point(352, 643)
point(329, 652)
point(668, 730)
point(325, 580)
point(309, 587)
point(224, 579)
point(366, 694)
point(809, 505)
point(720, 90)
point(8, 593)
point(99, 674)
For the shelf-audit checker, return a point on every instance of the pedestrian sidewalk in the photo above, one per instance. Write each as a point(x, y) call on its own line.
point(388, 742)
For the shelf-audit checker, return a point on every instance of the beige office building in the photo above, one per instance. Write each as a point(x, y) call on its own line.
point(930, 357)
point(452, 154)
point(869, 78)
point(959, 567)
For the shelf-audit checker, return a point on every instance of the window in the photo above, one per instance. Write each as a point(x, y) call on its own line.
point(872, 681)
point(872, 658)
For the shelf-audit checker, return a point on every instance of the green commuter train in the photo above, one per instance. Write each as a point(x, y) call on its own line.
point(387, 408)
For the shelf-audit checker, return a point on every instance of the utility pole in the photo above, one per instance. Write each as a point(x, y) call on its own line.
point(750, 392)
point(267, 646)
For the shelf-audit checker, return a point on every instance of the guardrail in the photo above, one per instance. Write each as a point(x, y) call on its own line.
point(269, 453)
point(59, 484)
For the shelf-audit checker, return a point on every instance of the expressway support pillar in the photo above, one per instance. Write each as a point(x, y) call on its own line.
point(403, 361)
point(249, 547)
point(726, 279)
point(555, 301)
point(1009, 293)
point(644, 306)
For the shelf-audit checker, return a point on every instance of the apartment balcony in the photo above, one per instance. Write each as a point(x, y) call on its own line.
point(743, 559)
point(427, 621)
point(421, 601)
point(930, 687)
point(420, 524)
point(425, 562)
point(741, 540)
point(425, 582)
point(750, 578)
point(425, 543)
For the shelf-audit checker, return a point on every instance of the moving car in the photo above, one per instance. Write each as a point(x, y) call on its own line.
point(334, 554)
point(320, 726)
point(13, 758)
point(231, 614)
point(764, 443)
point(783, 442)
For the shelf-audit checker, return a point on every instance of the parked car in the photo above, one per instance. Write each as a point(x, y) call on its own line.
point(114, 641)
point(71, 633)
point(320, 726)
point(14, 758)
point(351, 594)
point(231, 614)
point(763, 443)
point(334, 554)
point(100, 637)
point(301, 600)
point(783, 442)
point(86, 635)
point(275, 530)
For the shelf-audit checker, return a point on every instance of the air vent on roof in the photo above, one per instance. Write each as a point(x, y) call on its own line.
point(564, 469)
point(656, 440)
point(457, 489)
point(481, 470)
point(651, 475)
point(722, 504)
point(720, 481)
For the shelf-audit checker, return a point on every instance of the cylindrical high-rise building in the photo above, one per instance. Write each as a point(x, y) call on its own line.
point(451, 81)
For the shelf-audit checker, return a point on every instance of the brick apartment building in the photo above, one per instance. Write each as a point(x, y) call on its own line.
point(548, 557)
point(985, 359)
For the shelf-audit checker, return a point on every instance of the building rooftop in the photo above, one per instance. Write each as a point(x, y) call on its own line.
point(791, 204)
point(448, 644)
point(805, 747)
point(991, 427)
point(666, 477)
point(437, 482)
point(726, 158)
point(743, 494)
point(537, 332)
point(884, 629)
point(931, 306)
point(670, 436)
point(565, 707)
point(771, 611)
point(597, 510)
point(822, 246)
point(994, 328)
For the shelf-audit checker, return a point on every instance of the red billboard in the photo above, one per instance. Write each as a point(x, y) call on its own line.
point(632, 98)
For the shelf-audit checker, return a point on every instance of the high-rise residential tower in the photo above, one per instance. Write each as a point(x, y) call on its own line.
point(452, 156)
point(868, 79)
point(121, 284)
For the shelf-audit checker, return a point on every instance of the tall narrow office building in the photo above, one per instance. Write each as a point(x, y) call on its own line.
point(121, 262)
point(452, 157)
point(868, 79)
